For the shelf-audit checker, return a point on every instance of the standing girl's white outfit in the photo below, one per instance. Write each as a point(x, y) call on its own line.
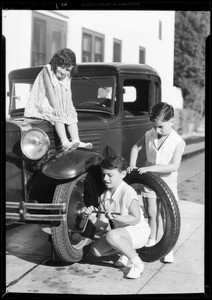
point(161, 155)
point(38, 105)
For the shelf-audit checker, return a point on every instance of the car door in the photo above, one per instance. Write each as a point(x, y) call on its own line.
point(141, 92)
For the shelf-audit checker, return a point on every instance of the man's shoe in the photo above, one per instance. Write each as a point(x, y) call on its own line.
point(169, 258)
point(136, 270)
point(122, 261)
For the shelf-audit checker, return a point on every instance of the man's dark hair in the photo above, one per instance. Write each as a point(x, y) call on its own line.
point(114, 162)
point(163, 111)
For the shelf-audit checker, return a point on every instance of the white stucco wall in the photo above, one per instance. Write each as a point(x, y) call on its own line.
point(16, 27)
point(134, 28)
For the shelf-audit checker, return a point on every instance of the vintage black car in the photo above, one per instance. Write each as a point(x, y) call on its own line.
point(47, 185)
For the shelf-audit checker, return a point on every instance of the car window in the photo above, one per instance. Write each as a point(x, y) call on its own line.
point(20, 95)
point(130, 94)
point(136, 96)
point(88, 93)
point(94, 93)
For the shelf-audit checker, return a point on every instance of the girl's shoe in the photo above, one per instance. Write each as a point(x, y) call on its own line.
point(122, 261)
point(150, 243)
point(85, 145)
point(169, 258)
point(70, 145)
point(136, 270)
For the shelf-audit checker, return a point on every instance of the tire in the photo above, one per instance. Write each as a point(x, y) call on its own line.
point(70, 246)
point(170, 209)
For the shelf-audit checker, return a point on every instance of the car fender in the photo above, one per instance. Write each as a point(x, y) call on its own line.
point(71, 163)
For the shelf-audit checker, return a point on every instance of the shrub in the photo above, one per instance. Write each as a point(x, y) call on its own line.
point(186, 120)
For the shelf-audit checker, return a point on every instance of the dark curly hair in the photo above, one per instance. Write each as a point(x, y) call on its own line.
point(114, 162)
point(64, 58)
point(163, 111)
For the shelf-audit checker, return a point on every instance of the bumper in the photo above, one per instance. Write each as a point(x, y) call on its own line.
point(23, 215)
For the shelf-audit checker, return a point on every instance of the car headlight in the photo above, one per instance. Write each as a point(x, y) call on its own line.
point(34, 143)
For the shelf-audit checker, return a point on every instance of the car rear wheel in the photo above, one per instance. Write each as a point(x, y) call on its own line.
point(69, 245)
point(169, 207)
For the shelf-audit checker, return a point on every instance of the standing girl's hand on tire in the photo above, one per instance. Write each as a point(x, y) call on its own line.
point(131, 168)
point(143, 170)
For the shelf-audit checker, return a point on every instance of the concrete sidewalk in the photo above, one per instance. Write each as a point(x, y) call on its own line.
point(96, 276)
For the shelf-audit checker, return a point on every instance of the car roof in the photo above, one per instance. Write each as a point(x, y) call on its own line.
point(32, 72)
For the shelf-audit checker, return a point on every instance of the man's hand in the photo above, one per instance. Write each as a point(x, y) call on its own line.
point(111, 216)
point(89, 212)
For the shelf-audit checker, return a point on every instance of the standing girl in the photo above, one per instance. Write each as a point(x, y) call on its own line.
point(164, 149)
point(51, 98)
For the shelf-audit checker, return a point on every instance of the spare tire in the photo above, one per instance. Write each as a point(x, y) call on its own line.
point(171, 212)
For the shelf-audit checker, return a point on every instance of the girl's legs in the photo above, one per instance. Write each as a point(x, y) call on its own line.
point(153, 212)
point(73, 131)
point(119, 240)
point(102, 248)
point(116, 240)
point(168, 258)
point(74, 134)
point(61, 131)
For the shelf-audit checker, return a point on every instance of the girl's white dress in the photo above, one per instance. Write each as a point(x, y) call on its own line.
point(38, 106)
point(162, 155)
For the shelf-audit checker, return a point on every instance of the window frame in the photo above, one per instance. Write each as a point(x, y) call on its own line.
point(119, 42)
point(160, 30)
point(144, 52)
point(52, 24)
point(94, 36)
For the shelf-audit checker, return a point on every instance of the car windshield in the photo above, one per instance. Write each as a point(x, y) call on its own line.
point(94, 93)
point(88, 94)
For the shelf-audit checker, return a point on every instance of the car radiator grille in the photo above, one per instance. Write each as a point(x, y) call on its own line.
point(14, 166)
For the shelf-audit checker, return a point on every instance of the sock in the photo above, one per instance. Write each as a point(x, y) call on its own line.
point(64, 140)
point(75, 140)
point(151, 242)
point(136, 260)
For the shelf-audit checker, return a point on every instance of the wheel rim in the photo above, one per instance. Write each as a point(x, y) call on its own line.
point(80, 197)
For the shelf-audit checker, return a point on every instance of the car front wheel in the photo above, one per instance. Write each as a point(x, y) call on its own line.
point(71, 244)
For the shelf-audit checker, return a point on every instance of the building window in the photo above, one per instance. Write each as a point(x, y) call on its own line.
point(86, 47)
point(92, 46)
point(117, 45)
point(98, 49)
point(48, 36)
point(160, 30)
point(142, 55)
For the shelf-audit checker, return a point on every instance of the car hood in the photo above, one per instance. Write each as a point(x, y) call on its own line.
point(93, 120)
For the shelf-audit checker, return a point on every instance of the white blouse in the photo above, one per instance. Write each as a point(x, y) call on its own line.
point(163, 155)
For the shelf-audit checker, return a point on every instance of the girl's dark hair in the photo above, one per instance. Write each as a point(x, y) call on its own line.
point(162, 111)
point(114, 162)
point(64, 58)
